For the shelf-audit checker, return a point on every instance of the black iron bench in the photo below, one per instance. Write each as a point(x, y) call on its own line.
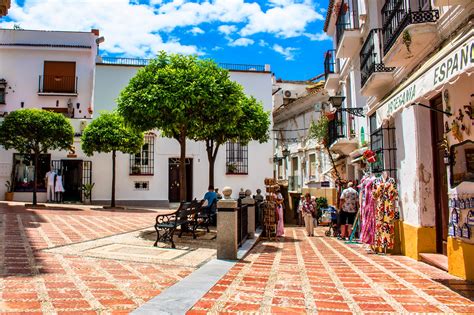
point(206, 216)
point(190, 218)
point(168, 223)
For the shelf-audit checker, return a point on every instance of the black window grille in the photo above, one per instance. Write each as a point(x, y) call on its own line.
point(237, 158)
point(398, 14)
point(371, 56)
point(2, 96)
point(382, 142)
point(331, 63)
point(337, 127)
point(347, 18)
point(143, 162)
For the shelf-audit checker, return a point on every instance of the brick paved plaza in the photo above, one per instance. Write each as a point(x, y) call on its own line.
point(299, 275)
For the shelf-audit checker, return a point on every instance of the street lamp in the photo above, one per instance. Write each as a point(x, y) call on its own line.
point(337, 100)
point(285, 152)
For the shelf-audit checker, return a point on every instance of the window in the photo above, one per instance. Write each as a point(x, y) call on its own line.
point(23, 172)
point(142, 163)
point(312, 166)
point(58, 77)
point(142, 185)
point(382, 142)
point(237, 158)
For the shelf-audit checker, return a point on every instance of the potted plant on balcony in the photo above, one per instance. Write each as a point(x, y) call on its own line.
point(406, 38)
point(370, 156)
point(9, 192)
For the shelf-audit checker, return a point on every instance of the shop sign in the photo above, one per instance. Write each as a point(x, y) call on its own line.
point(456, 62)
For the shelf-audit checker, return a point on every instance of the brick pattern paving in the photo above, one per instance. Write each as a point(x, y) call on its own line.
point(35, 281)
point(305, 275)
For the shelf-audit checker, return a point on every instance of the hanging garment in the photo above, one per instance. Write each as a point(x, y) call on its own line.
point(279, 209)
point(386, 211)
point(367, 233)
point(59, 184)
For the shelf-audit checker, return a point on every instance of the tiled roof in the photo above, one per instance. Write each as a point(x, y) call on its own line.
point(328, 15)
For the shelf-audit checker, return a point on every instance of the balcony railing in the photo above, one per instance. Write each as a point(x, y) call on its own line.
point(57, 84)
point(371, 56)
point(143, 62)
point(347, 18)
point(336, 128)
point(331, 64)
point(398, 14)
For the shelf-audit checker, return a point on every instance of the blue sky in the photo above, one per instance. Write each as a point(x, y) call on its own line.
point(287, 34)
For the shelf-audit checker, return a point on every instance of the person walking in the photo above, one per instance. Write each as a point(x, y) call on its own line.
point(308, 210)
point(279, 212)
point(348, 209)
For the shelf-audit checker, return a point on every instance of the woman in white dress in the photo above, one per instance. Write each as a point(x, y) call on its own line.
point(59, 188)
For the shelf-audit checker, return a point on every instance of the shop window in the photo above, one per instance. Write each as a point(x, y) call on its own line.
point(382, 142)
point(236, 158)
point(462, 164)
point(143, 162)
point(24, 169)
point(312, 166)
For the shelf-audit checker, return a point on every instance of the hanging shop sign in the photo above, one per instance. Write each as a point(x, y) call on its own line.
point(458, 60)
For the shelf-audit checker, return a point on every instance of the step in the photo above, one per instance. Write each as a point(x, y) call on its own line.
point(436, 260)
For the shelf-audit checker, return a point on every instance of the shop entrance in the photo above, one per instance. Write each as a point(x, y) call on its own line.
point(440, 176)
point(173, 180)
point(75, 173)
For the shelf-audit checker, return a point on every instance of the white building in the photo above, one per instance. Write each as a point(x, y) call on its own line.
point(415, 64)
point(57, 71)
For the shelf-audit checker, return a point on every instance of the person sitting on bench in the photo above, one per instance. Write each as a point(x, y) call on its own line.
point(209, 197)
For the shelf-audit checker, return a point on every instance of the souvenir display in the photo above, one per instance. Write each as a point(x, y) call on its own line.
point(461, 218)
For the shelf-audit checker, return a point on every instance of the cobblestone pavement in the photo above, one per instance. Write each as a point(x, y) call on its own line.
point(321, 275)
point(36, 281)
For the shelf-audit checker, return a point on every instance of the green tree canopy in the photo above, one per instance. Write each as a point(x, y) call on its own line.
point(108, 133)
point(35, 131)
point(169, 94)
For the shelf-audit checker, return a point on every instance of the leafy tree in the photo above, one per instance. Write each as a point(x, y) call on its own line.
point(108, 133)
point(35, 131)
point(169, 94)
point(236, 118)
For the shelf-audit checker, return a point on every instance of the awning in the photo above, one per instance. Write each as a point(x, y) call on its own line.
point(456, 58)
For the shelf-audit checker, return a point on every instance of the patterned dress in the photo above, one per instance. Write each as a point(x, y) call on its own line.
point(386, 212)
point(279, 208)
point(367, 232)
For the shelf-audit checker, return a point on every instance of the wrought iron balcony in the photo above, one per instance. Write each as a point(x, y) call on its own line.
point(294, 183)
point(398, 14)
point(57, 84)
point(347, 18)
point(371, 56)
point(336, 128)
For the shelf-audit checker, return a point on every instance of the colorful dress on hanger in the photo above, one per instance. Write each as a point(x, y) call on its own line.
point(280, 225)
point(386, 195)
point(367, 232)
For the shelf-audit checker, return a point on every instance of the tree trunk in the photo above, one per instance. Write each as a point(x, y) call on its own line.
point(182, 167)
point(211, 157)
point(35, 180)
point(112, 201)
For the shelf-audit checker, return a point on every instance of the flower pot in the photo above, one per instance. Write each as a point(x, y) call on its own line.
point(372, 159)
point(8, 196)
point(330, 116)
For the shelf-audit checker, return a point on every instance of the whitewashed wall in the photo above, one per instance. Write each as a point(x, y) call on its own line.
point(110, 80)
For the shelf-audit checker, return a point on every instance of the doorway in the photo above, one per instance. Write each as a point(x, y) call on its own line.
point(173, 180)
point(440, 176)
point(72, 180)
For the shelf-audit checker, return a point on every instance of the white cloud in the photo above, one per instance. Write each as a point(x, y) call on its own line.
point(217, 48)
point(242, 42)
point(227, 29)
point(196, 31)
point(288, 52)
point(262, 43)
point(135, 29)
point(318, 36)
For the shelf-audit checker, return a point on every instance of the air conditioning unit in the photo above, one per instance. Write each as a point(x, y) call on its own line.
point(290, 94)
point(318, 107)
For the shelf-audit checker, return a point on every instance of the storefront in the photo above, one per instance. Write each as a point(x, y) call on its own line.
point(423, 132)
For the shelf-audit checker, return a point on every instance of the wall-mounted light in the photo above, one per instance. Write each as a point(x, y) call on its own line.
point(3, 84)
point(78, 105)
point(337, 100)
point(285, 152)
point(22, 104)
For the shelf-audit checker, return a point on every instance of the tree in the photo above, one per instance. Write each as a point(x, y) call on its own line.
point(169, 94)
point(35, 131)
point(236, 118)
point(108, 133)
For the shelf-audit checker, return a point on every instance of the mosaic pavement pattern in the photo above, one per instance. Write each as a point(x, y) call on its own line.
point(37, 280)
point(322, 275)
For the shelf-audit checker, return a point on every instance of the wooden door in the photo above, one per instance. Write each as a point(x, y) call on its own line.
point(440, 177)
point(173, 180)
point(72, 180)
